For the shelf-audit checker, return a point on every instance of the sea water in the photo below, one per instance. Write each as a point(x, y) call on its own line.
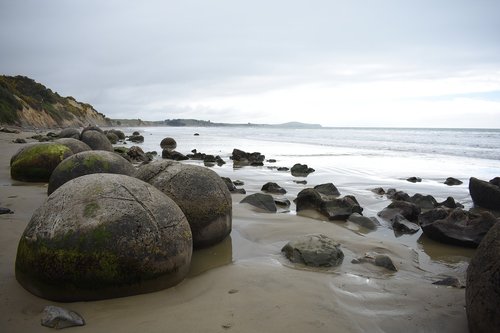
point(356, 160)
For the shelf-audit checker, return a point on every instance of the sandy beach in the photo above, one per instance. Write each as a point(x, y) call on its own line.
point(244, 284)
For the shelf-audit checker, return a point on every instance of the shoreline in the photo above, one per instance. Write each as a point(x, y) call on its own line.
point(244, 284)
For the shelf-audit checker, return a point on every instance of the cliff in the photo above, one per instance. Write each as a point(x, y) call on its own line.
point(26, 103)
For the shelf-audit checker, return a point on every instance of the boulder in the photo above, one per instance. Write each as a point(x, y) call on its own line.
point(378, 191)
point(485, 194)
point(88, 162)
point(200, 193)
point(118, 133)
point(96, 140)
point(69, 133)
point(241, 158)
point(112, 137)
point(450, 181)
point(408, 210)
point(301, 170)
point(376, 259)
point(136, 154)
point(168, 143)
point(35, 162)
point(75, 145)
point(414, 180)
point(482, 295)
point(92, 128)
point(395, 195)
point(329, 190)
point(19, 140)
point(173, 155)
point(333, 208)
point(271, 187)
point(262, 201)
point(136, 138)
point(457, 226)
point(231, 186)
point(314, 250)
point(102, 236)
point(424, 202)
point(450, 203)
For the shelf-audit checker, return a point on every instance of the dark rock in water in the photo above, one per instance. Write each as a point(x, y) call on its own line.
point(414, 179)
point(401, 225)
point(314, 250)
point(495, 181)
point(271, 160)
point(378, 190)
point(238, 183)
point(57, 317)
point(424, 201)
point(262, 201)
point(370, 223)
point(231, 187)
point(136, 138)
point(273, 188)
point(118, 133)
point(485, 194)
point(5, 211)
point(333, 208)
point(450, 181)
point(136, 133)
point(282, 202)
point(96, 140)
point(327, 189)
point(457, 226)
point(408, 210)
point(449, 282)
point(75, 145)
point(104, 236)
point(301, 170)
point(397, 195)
point(19, 140)
point(282, 169)
point(173, 155)
point(8, 130)
point(241, 158)
point(303, 182)
point(196, 134)
point(88, 162)
point(200, 193)
point(168, 143)
point(36, 162)
point(450, 203)
point(136, 154)
point(482, 295)
point(376, 259)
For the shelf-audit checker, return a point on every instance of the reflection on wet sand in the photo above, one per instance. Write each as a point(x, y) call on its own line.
point(215, 256)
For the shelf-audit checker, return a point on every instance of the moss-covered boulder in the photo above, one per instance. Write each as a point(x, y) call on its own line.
point(96, 140)
point(35, 162)
point(75, 145)
point(102, 236)
point(200, 193)
point(88, 162)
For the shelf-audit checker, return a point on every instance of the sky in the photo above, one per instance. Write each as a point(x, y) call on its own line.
point(371, 63)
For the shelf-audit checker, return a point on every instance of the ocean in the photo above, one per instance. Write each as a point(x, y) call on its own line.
point(355, 160)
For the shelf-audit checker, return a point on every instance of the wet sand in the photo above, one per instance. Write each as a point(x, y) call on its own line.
point(244, 284)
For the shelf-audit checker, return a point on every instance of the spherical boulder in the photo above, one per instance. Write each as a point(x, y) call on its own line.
point(168, 143)
point(88, 162)
point(35, 162)
point(112, 137)
point(482, 295)
point(75, 145)
point(96, 140)
point(200, 193)
point(102, 236)
point(69, 133)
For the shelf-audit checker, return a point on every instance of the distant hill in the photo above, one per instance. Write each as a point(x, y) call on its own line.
point(204, 123)
point(26, 103)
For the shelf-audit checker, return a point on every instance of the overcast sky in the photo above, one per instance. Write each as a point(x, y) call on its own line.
point(421, 63)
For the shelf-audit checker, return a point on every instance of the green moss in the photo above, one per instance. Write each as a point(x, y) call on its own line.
point(36, 163)
point(90, 209)
point(95, 162)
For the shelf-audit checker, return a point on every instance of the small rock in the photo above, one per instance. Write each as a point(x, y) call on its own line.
point(5, 211)
point(271, 160)
point(329, 190)
point(314, 250)
point(282, 202)
point(273, 188)
point(414, 179)
point(378, 190)
point(19, 140)
point(57, 317)
point(450, 181)
point(384, 261)
point(301, 170)
point(370, 223)
point(238, 183)
point(262, 201)
point(450, 282)
point(303, 182)
point(173, 155)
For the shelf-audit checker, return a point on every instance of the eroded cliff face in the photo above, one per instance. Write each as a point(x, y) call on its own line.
point(26, 103)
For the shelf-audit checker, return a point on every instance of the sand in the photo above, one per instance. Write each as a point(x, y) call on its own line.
point(244, 284)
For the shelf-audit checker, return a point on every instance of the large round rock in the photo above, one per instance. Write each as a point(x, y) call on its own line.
point(75, 145)
point(96, 140)
point(88, 162)
point(35, 162)
point(101, 236)
point(482, 294)
point(200, 193)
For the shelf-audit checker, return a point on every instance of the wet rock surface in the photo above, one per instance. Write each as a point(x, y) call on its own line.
point(262, 201)
point(314, 250)
point(58, 318)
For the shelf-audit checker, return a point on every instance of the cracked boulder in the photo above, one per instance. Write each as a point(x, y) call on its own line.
point(200, 193)
point(103, 236)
